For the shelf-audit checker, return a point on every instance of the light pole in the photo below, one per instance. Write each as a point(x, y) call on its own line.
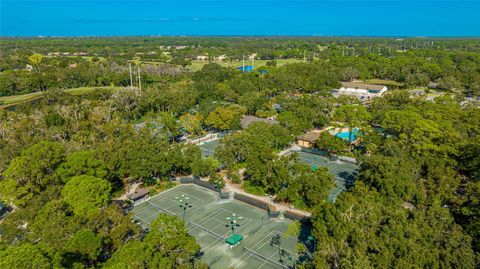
point(233, 222)
point(218, 185)
point(183, 203)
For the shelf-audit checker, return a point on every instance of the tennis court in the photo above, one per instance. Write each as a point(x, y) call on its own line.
point(207, 221)
point(343, 172)
point(260, 254)
point(166, 202)
point(208, 147)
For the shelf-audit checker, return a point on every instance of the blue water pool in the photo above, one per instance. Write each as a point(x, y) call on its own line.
point(346, 135)
point(246, 68)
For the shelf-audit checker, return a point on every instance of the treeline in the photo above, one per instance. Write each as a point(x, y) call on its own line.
point(415, 200)
point(448, 63)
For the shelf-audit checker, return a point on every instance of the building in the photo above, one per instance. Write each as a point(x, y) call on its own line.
point(138, 195)
point(308, 139)
point(247, 120)
point(202, 57)
point(221, 58)
point(361, 90)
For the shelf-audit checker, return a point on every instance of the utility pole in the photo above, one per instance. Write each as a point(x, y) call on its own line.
point(304, 57)
point(243, 62)
point(139, 78)
point(131, 76)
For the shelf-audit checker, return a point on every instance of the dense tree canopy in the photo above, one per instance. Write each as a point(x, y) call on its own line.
point(65, 156)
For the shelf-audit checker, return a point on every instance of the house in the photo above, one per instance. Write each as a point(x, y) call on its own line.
point(202, 57)
point(361, 90)
point(308, 139)
point(247, 120)
point(221, 58)
point(356, 87)
point(417, 93)
point(433, 85)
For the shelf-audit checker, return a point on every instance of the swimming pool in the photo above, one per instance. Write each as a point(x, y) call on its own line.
point(246, 68)
point(346, 135)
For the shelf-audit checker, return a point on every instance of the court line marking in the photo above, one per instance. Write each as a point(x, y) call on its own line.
point(221, 222)
point(241, 260)
point(255, 248)
point(167, 199)
point(240, 229)
point(207, 248)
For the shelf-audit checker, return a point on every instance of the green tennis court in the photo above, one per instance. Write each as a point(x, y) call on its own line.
point(259, 253)
point(208, 147)
point(343, 172)
point(206, 219)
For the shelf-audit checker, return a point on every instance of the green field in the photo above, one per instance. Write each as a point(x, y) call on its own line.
point(384, 82)
point(8, 101)
point(206, 221)
point(197, 65)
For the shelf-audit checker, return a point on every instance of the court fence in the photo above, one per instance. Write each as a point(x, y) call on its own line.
point(294, 216)
point(251, 201)
point(199, 182)
point(244, 198)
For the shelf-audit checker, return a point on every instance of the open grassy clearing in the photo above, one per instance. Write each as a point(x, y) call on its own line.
point(197, 64)
point(7, 101)
point(384, 82)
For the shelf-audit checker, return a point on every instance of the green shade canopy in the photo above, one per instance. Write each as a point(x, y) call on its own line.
point(234, 239)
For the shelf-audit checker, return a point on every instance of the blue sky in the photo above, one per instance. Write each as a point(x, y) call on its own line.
point(232, 17)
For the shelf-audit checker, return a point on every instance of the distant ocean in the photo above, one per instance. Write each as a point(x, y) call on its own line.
point(234, 17)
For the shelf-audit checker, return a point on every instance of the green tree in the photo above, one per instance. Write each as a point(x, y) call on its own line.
point(53, 119)
point(31, 172)
point(133, 254)
point(330, 143)
point(192, 123)
point(35, 59)
point(294, 124)
point(205, 166)
point(24, 256)
point(83, 247)
point(86, 193)
point(52, 227)
point(354, 116)
point(167, 245)
point(225, 118)
point(81, 163)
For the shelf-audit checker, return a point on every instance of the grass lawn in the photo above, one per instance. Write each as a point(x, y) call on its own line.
point(16, 99)
point(197, 65)
point(7, 101)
